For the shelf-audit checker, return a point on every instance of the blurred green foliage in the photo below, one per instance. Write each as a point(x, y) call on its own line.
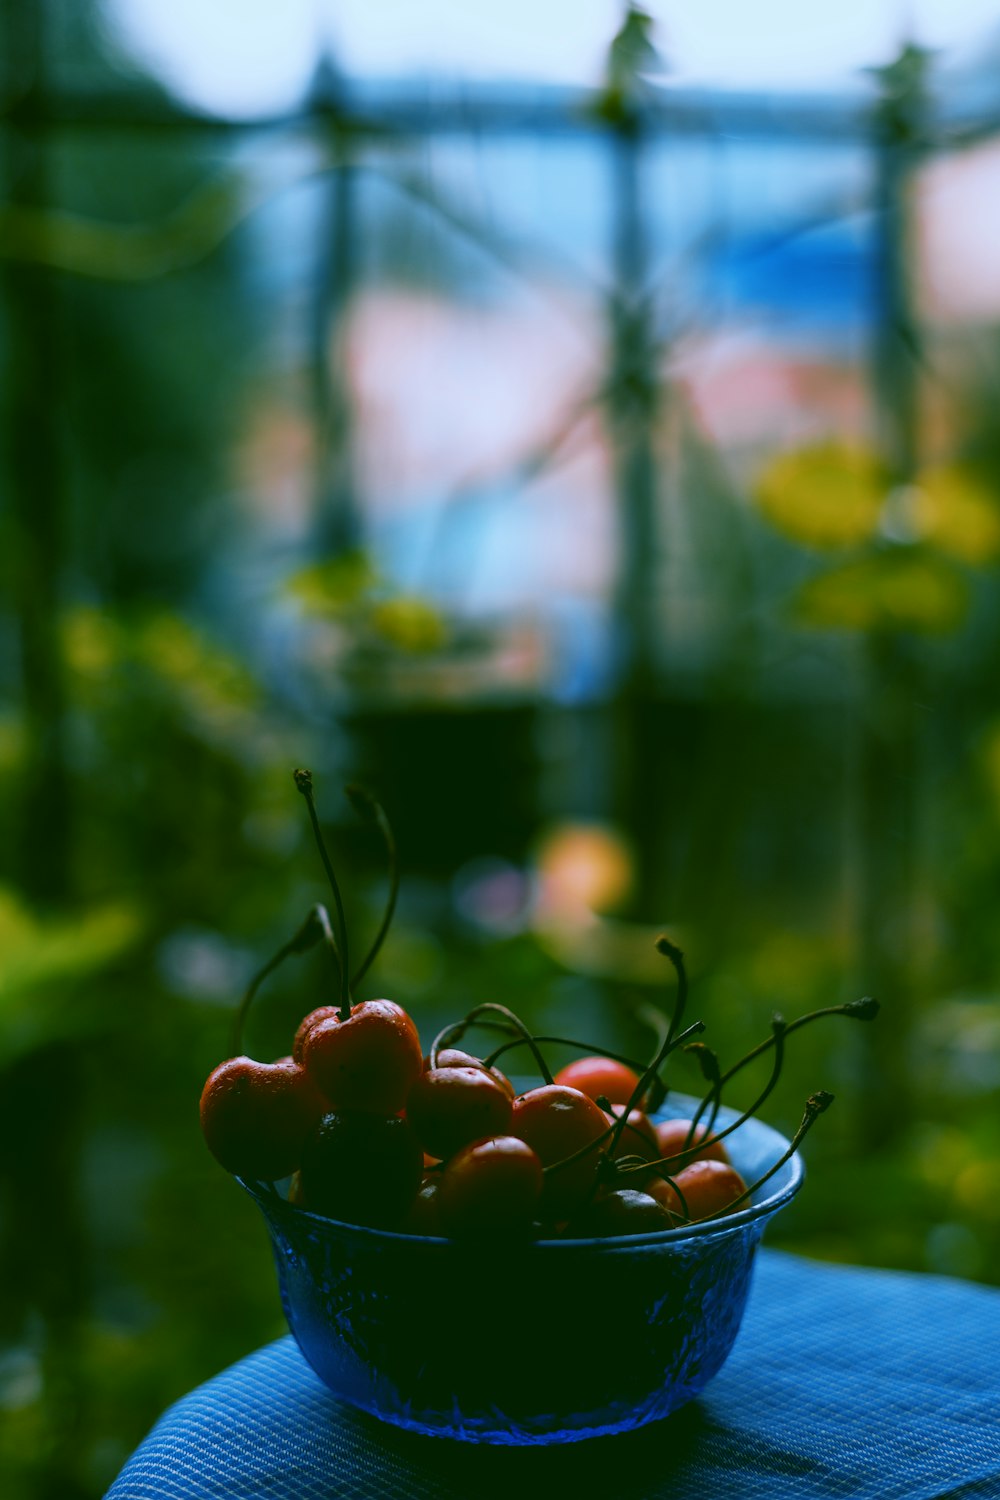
point(348, 589)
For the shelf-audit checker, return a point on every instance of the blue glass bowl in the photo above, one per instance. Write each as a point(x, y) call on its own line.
point(550, 1341)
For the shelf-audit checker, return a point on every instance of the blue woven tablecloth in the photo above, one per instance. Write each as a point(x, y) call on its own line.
point(871, 1385)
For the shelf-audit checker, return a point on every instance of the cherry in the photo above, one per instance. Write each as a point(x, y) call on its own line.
point(454, 1057)
point(362, 1168)
point(490, 1187)
point(671, 1136)
point(449, 1107)
point(424, 1216)
point(256, 1116)
point(623, 1211)
point(595, 1076)
point(368, 1061)
point(557, 1122)
point(708, 1188)
point(321, 1013)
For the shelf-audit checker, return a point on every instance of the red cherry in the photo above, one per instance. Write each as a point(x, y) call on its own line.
point(490, 1187)
point(557, 1121)
point(623, 1211)
point(708, 1187)
point(594, 1076)
point(256, 1116)
point(453, 1057)
point(321, 1013)
point(424, 1216)
point(362, 1168)
point(449, 1107)
point(671, 1135)
point(367, 1062)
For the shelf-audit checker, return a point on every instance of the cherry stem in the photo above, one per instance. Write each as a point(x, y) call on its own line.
point(457, 1030)
point(865, 1009)
point(581, 1151)
point(668, 1044)
point(779, 1029)
point(676, 957)
point(603, 1102)
point(369, 808)
point(713, 1113)
point(680, 1195)
point(710, 1071)
point(315, 926)
point(816, 1105)
point(690, 1152)
point(661, 1029)
point(303, 780)
point(448, 1034)
point(561, 1041)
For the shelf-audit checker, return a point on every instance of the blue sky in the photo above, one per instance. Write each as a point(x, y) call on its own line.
point(245, 56)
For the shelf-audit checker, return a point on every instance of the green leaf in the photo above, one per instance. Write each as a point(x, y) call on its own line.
point(107, 656)
point(13, 743)
point(897, 590)
point(348, 589)
point(956, 510)
point(410, 624)
point(334, 587)
point(40, 963)
point(208, 681)
point(829, 495)
point(93, 643)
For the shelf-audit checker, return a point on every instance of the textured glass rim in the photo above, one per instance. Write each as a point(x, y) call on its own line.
point(270, 1200)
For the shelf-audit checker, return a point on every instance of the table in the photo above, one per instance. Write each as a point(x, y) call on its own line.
point(867, 1385)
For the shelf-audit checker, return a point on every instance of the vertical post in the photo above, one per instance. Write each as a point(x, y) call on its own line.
point(889, 738)
point(632, 404)
point(633, 400)
point(899, 126)
point(338, 526)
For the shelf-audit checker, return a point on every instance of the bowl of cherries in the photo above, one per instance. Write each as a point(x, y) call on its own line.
point(513, 1263)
